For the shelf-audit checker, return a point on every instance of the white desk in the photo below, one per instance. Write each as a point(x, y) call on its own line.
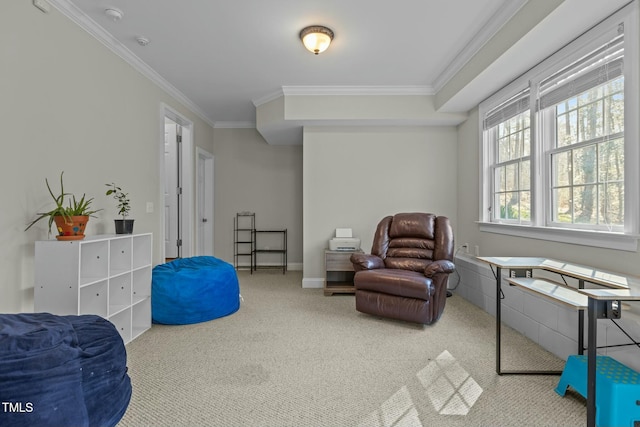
point(606, 278)
point(621, 288)
point(518, 263)
point(554, 291)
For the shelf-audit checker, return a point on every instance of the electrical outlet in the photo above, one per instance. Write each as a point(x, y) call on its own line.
point(477, 250)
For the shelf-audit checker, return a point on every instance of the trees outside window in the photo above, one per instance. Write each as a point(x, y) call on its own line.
point(587, 159)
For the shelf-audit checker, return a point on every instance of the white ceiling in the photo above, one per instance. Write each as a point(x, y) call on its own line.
point(224, 57)
point(225, 54)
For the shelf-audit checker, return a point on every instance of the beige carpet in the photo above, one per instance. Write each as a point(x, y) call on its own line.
point(293, 357)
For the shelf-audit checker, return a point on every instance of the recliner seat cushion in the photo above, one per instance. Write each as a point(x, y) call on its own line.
point(396, 282)
point(413, 264)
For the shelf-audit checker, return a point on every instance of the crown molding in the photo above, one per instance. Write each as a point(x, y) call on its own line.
point(344, 90)
point(267, 98)
point(502, 16)
point(234, 125)
point(357, 90)
point(72, 12)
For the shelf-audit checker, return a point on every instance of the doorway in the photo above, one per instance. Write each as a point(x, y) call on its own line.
point(172, 190)
point(204, 202)
point(176, 177)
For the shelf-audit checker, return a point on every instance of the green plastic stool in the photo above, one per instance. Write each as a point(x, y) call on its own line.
point(617, 389)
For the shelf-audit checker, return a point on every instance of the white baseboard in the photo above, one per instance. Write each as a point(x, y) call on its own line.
point(313, 282)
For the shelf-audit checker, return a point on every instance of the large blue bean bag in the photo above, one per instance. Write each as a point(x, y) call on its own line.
point(193, 290)
point(61, 371)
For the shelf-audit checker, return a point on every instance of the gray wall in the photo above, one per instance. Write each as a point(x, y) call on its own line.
point(251, 175)
point(67, 103)
point(353, 177)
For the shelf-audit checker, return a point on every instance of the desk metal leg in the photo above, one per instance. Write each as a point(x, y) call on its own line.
point(581, 332)
point(580, 323)
point(498, 318)
point(591, 363)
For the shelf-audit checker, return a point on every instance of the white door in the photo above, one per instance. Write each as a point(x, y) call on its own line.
point(171, 189)
point(204, 189)
point(177, 184)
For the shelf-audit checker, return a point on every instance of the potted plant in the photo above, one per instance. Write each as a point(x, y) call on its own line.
point(124, 225)
point(70, 220)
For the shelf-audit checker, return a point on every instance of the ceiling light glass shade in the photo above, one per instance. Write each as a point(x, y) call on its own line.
point(316, 38)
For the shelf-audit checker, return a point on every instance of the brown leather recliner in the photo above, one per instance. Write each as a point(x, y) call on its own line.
point(405, 276)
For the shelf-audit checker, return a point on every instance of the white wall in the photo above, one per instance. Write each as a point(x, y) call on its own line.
point(251, 175)
point(353, 177)
point(67, 103)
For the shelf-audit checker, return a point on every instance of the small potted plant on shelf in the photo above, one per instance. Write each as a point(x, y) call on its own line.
point(124, 225)
point(70, 220)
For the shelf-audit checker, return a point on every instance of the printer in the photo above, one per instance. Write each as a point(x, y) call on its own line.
point(344, 241)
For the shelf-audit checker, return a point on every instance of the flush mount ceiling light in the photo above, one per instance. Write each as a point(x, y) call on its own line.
point(114, 14)
point(316, 38)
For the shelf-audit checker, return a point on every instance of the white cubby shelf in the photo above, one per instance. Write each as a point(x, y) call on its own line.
point(107, 275)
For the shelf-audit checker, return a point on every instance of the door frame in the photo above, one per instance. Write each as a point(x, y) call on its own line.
point(209, 200)
point(187, 178)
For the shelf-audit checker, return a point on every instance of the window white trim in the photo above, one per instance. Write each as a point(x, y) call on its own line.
point(627, 240)
point(599, 239)
point(631, 125)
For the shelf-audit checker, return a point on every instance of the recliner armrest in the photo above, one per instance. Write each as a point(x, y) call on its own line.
point(366, 262)
point(440, 266)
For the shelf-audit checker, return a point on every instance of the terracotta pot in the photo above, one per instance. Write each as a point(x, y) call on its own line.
point(71, 228)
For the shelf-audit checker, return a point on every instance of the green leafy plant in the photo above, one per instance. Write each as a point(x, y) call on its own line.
point(75, 207)
point(123, 199)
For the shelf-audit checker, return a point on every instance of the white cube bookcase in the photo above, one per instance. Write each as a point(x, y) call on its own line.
point(107, 275)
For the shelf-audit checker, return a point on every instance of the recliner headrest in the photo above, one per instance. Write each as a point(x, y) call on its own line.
point(413, 225)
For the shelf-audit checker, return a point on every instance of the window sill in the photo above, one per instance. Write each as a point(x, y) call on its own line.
point(598, 239)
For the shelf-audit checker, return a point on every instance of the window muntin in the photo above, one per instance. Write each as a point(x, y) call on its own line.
point(587, 159)
point(512, 171)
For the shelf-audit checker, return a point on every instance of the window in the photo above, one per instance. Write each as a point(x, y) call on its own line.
point(587, 160)
point(509, 128)
point(513, 168)
point(559, 159)
point(582, 111)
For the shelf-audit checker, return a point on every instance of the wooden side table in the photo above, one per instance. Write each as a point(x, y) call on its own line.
point(338, 277)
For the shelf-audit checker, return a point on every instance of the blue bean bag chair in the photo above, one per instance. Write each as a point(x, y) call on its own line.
point(193, 290)
point(61, 371)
